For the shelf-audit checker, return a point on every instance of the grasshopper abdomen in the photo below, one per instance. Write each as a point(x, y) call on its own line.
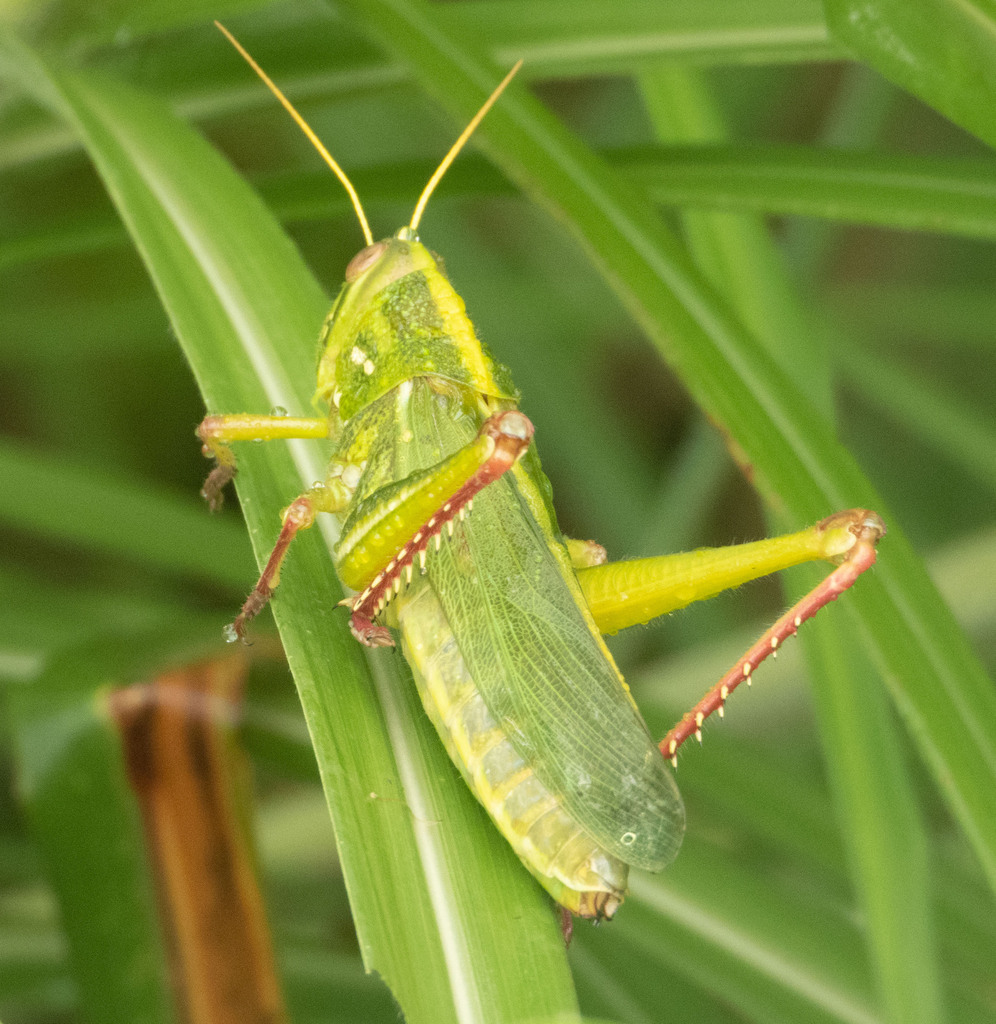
point(569, 864)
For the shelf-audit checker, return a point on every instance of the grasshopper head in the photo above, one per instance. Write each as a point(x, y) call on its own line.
point(398, 317)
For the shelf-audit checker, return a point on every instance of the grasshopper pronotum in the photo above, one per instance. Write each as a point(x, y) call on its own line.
point(499, 616)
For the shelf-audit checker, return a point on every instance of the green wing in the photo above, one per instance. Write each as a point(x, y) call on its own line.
point(536, 663)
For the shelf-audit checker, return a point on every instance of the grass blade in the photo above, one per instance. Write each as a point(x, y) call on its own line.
point(891, 190)
point(912, 45)
point(876, 805)
point(409, 834)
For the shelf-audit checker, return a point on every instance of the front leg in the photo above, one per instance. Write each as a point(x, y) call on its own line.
point(217, 432)
point(299, 515)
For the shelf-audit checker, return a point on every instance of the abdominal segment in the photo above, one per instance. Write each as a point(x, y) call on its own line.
point(567, 862)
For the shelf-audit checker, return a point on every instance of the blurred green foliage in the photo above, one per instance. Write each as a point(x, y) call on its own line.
point(827, 274)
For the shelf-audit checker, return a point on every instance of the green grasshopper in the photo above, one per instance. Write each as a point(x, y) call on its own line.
point(450, 543)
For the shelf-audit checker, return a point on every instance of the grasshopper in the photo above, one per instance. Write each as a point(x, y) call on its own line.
point(450, 545)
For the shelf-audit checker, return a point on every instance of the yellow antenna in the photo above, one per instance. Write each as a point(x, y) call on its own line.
point(457, 146)
point(312, 137)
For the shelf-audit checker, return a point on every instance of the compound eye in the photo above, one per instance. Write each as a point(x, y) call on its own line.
point(364, 260)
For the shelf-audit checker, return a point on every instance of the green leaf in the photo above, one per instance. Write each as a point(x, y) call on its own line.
point(149, 526)
point(593, 37)
point(881, 822)
point(940, 50)
point(430, 881)
point(84, 820)
point(890, 190)
point(961, 433)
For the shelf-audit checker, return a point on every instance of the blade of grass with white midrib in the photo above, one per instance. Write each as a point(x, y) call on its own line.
point(215, 255)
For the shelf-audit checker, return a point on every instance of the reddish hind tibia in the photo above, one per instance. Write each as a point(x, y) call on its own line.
point(867, 529)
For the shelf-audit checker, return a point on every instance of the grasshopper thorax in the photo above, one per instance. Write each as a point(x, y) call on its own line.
point(397, 317)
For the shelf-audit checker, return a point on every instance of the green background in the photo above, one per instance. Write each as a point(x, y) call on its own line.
point(684, 224)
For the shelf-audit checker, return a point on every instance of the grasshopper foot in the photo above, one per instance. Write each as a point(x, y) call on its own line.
point(255, 603)
point(368, 632)
point(213, 490)
point(299, 515)
point(213, 447)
